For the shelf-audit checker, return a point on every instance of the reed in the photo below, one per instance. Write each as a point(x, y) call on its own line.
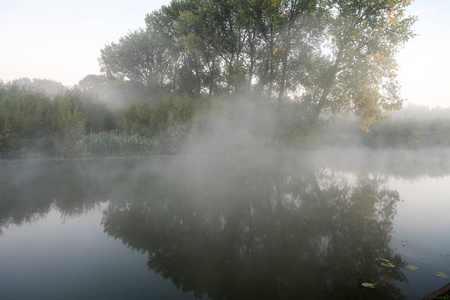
point(114, 144)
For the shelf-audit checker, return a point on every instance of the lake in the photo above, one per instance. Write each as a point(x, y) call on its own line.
point(309, 225)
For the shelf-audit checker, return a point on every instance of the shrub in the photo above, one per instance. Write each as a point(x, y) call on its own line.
point(97, 115)
point(136, 118)
point(167, 123)
point(21, 119)
point(66, 124)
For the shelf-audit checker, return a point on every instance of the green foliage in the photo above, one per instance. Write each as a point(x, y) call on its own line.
point(113, 144)
point(338, 54)
point(136, 118)
point(411, 128)
point(412, 267)
point(115, 92)
point(35, 122)
point(386, 263)
point(293, 125)
point(49, 87)
point(142, 57)
point(409, 133)
point(66, 123)
point(442, 275)
point(167, 123)
point(98, 117)
point(21, 119)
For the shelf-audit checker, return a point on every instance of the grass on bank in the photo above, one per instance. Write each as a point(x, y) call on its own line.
point(113, 144)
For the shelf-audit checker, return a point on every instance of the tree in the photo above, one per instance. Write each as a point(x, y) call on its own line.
point(47, 86)
point(94, 84)
point(330, 55)
point(67, 125)
point(21, 118)
point(114, 91)
point(354, 67)
point(140, 57)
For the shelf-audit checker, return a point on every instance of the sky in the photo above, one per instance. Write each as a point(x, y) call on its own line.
point(61, 40)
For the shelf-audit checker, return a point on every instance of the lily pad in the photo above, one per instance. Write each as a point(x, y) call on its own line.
point(368, 285)
point(413, 267)
point(384, 260)
point(443, 275)
point(387, 265)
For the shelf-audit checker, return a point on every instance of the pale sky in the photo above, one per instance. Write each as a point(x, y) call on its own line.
point(62, 39)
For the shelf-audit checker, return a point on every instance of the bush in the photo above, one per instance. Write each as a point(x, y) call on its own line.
point(22, 119)
point(136, 118)
point(97, 115)
point(167, 123)
point(66, 124)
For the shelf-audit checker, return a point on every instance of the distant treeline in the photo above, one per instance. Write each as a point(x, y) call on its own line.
point(413, 127)
point(218, 76)
point(32, 121)
point(71, 123)
point(74, 123)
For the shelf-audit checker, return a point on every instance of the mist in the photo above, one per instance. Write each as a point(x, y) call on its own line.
point(226, 217)
point(229, 150)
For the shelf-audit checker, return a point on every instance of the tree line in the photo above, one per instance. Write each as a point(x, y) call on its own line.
point(260, 73)
point(32, 121)
point(412, 127)
point(71, 123)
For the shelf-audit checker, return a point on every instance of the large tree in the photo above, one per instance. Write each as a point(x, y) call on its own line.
point(330, 55)
point(354, 67)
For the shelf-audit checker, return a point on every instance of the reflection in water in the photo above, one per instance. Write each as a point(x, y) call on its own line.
point(260, 230)
point(253, 228)
point(28, 191)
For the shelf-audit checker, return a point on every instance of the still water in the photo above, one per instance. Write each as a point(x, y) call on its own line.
point(310, 225)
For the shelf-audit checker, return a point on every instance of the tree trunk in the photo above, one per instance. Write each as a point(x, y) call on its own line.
point(211, 83)
point(252, 62)
point(284, 70)
point(327, 90)
point(271, 63)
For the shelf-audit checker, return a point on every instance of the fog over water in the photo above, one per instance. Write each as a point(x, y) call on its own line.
point(227, 175)
point(264, 226)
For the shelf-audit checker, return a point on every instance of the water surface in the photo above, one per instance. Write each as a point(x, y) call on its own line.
point(310, 225)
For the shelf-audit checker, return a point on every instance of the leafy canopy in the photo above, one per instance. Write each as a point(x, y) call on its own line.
point(330, 55)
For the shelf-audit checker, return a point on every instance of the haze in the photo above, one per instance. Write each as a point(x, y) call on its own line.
point(61, 40)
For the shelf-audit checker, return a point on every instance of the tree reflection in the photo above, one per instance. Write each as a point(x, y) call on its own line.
point(30, 189)
point(261, 230)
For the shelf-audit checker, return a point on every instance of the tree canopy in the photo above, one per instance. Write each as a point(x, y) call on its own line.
point(328, 55)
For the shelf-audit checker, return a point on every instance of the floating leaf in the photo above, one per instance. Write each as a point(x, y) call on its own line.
point(388, 265)
point(368, 285)
point(384, 260)
point(443, 275)
point(412, 267)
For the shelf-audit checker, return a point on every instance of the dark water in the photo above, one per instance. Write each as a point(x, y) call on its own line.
point(283, 226)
